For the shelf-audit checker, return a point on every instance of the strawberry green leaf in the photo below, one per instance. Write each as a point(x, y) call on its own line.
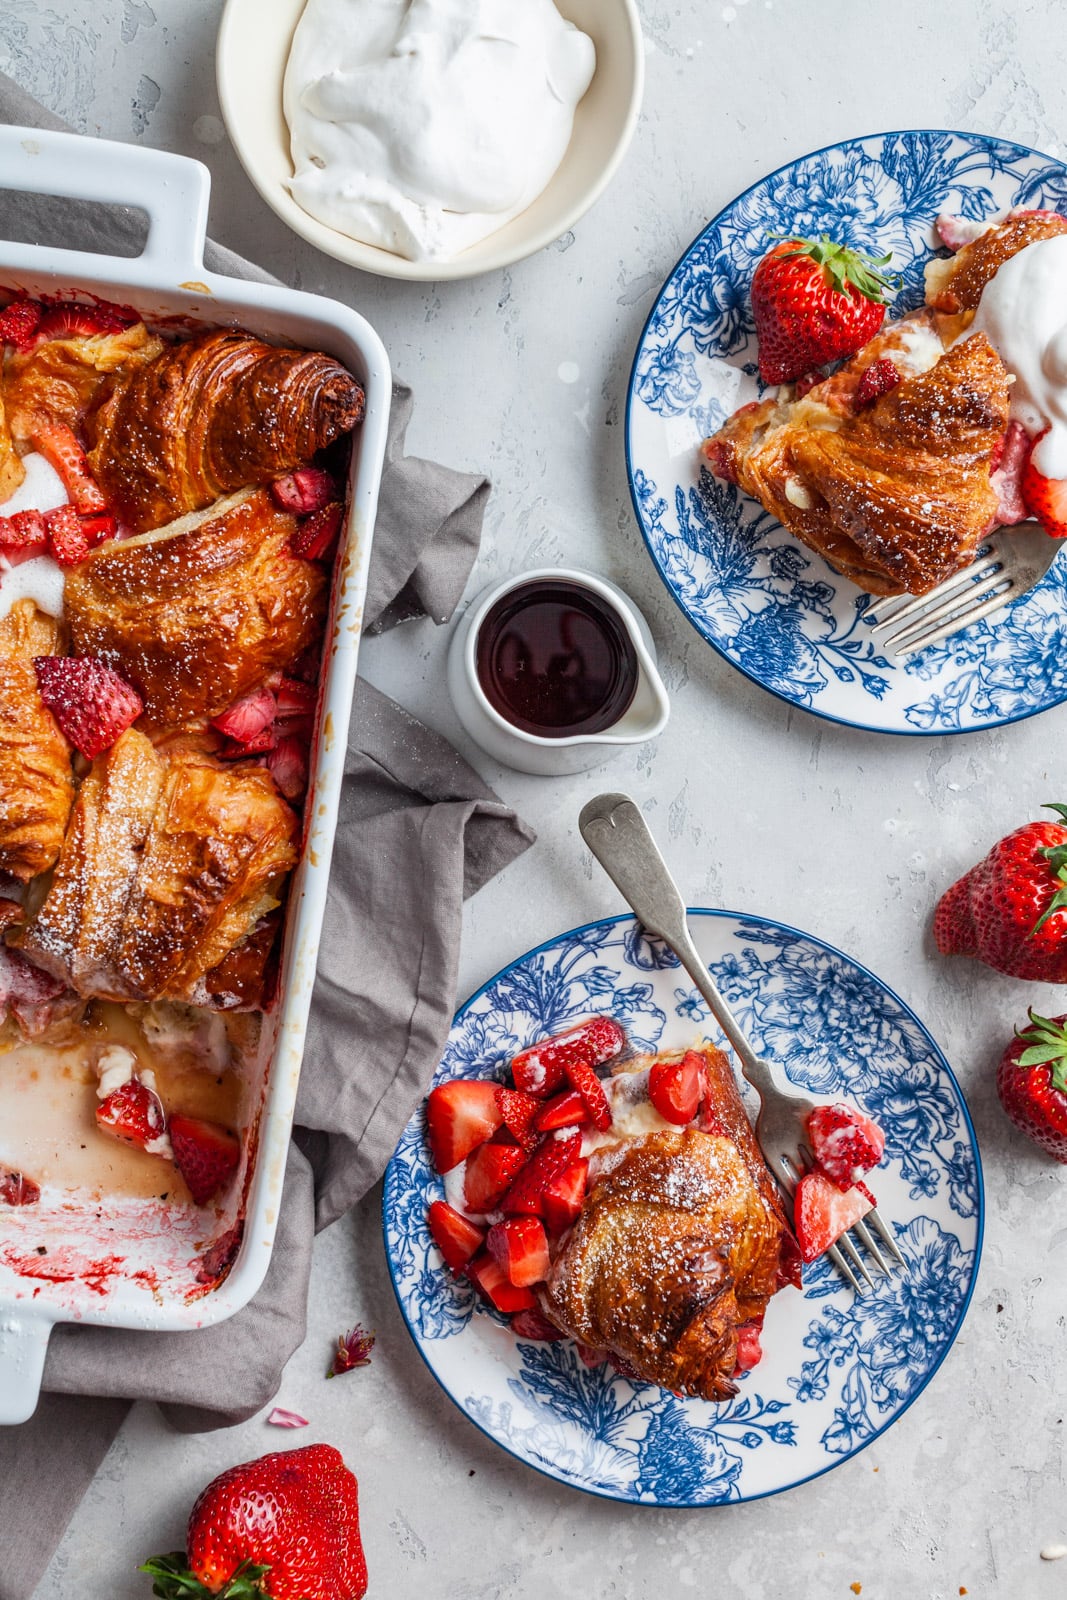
point(1040, 1054)
point(1056, 805)
point(174, 1581)
point(1057, 903)
point(845, 267)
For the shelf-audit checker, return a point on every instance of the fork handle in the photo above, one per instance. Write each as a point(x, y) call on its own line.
point(617, 834)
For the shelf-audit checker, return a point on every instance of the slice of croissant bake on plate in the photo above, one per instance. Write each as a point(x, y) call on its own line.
point(680, 1242)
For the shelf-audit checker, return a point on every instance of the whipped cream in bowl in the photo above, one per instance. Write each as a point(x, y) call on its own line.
point(422, 127)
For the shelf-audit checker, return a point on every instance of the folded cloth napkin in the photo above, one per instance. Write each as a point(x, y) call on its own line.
point(418, 831)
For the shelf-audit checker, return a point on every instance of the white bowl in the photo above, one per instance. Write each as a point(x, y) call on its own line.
point(645, 717)
point(252, 50)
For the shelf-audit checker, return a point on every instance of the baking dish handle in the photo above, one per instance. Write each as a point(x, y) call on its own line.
point(172, 190)
point(23, 1346)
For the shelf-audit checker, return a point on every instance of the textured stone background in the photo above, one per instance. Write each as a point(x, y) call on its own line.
point(760, 808)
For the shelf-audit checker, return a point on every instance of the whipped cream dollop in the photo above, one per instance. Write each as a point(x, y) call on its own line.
point(423, 126)
point(40, 578)
point(1023, 314)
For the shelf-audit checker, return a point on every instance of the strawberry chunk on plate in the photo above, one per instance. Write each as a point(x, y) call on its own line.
point(489, 1174)
point(553, 1155)
point(18, 1190)
point(675, 1087)
point(1045, 498)
point(460, 1115)
point(749, 1350)
point(541, 1069)
point(566, 1110)
point(822, 1213)
point(490, 1279)
point(90, 702)
point(844, 1142)
point(306, 490)
point(520, 1111)
point(588, 1085)
point(532, 1325)
point(205, 1153)
point(520, 1246)
point(246, 719)
point(563, 1196)
point(457, 1238)
point(60, 447)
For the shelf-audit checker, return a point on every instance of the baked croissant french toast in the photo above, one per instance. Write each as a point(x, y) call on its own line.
point(218, 412)
point(36, 782)
point(680, 1241)
point(887, 467)
point(200, 611)
point(170, 863)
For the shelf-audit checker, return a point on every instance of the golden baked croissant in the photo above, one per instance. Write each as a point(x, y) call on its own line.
point(199, 612)
point(36, 784)
point(955, 283)
point(681, 1239)
point(167, 866)
point(895, 496)
point(60, 378)
point(12, 472)
point(211, 414)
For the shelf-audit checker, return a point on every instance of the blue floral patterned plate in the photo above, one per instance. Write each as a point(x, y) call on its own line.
point(772, 607)
point(836, 1371)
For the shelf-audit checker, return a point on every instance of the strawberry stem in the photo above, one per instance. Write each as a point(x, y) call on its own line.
point(174, 1581)
point(844, 266)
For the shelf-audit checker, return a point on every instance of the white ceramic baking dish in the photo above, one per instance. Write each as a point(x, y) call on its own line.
point(135, 1267)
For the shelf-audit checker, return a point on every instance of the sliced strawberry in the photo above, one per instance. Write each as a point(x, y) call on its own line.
point(67, 538)
point(519, 1111)
point(490, 1279)
point(844, 1142)
point(314, 538)
point(808, 382)
point(588, 1356)
point(563, 1196)
point(132, 1113)
point(542, 1069)
point(822, 1213)
point(263, 741)
point(90, 702)
point(294, 699)
point(246, 719)
point(18, 1190)
point(205, 1153)
point(68, 319)
point(288, 766)
point(60, 448)
point(566, 1110)
point(555, 1152)
point(98, 526)
point(876, 380)
point(19, 321)
point(532, 1325)
point(521, 1248)
point(489, 1174)
point(460, 1115)
point(1046, 498)
point(455, 1236)
point(749, 1350)
point(24, 530)
point(1006, 467)
point(675, 1087)
point(306, 490)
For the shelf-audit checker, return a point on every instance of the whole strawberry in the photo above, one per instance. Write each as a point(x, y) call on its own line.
point(814, 301)
point(1032, 1083)
point(284, 1526)
point(1010, 911)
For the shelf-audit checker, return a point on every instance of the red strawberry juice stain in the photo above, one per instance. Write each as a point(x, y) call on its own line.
point(554, 659)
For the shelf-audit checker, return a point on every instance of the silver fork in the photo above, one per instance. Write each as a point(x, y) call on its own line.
point(618, 836)
point(1007, 565)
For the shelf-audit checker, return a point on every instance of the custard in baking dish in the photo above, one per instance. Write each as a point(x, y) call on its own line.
point(169, 510)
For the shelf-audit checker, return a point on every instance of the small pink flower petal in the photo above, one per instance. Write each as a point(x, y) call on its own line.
point(287, 1419)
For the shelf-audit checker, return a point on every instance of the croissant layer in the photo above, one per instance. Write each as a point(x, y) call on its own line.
point(36, 783)
point(213, 414)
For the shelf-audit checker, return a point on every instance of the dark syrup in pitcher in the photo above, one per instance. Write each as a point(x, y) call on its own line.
point(555, 660)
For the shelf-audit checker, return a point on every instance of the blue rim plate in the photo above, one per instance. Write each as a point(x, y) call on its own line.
point(770, 606)
point(837, 1371)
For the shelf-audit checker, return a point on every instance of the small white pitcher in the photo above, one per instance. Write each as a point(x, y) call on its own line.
point(643, 719)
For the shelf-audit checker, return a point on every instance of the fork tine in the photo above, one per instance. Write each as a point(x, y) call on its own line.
point(865, 1237)
point(849, 1249)
point(958, 607)
point(843, 1268)
point(907, 606)
point(964, 620)
point(886, 1237)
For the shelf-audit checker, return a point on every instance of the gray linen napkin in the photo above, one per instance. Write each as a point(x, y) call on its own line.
point(418, 831)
